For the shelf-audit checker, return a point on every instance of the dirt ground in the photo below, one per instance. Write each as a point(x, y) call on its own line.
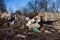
point(26, 34)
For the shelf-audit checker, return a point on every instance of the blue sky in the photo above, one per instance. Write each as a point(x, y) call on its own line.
point(16, 4)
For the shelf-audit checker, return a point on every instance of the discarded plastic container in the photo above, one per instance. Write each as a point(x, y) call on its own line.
point(35, 29)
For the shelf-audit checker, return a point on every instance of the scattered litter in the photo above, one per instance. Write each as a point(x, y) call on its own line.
point(21, 30)
point(35, 29)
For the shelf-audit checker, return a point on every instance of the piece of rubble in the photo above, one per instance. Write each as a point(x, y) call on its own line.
point(20, 35)
point(46, 31)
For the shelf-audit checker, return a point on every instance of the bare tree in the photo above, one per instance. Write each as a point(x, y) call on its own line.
point(34, 7)
point(11, 10)
point(18, 12)
point(2, 6)
point(37, 5)
point(57, 5)
point(52, 7)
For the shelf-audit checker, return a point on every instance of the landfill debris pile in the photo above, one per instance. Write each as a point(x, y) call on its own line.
point(57, 24)
point(26, 29)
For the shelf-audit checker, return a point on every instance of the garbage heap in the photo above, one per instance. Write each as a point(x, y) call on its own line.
point(56, 25)
point(27, 30)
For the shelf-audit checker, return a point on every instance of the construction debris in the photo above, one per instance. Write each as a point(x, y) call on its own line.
point(24, 28)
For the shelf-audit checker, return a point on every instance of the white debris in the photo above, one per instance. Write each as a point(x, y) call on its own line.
point(19, 35)
point(27, 18)
point(3, 15)
point(12, 22)
point(38, 18)
point(34, 25)
point(32, 20)
point(47, 31)
point(6, 16)
point(29, 22)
